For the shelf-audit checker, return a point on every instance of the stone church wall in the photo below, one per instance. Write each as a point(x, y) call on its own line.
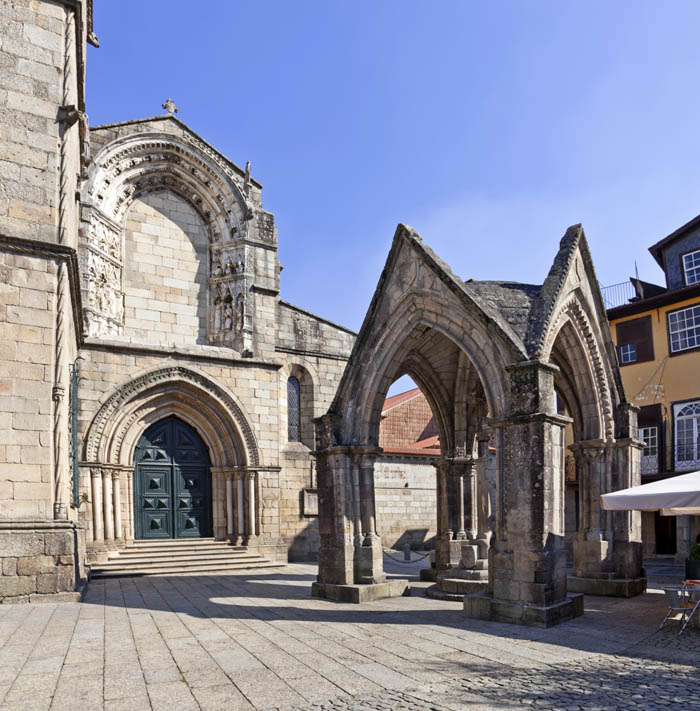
point(31, 86)
point(40, 158)
point(165, 271)
point(27, 288)
point(406, 501)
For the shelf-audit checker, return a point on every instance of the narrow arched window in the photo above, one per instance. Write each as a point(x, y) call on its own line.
point(293, 410)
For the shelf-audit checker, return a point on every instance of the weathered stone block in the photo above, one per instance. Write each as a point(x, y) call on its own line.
point(9, 566)
point(47, 583)
point(59, 543)
point(35, 565)
point(11, 586)
point(24, 544)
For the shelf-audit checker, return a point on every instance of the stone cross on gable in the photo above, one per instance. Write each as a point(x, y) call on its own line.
point(170, 107)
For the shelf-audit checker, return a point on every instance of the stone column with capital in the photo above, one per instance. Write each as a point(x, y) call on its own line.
point(528, 559)
point(443, 540)
point(130, 502)
point(97, 513)
point(107, 510)
point(336, 520)
point(229, 506)
point(608, 547)
point(483, 493)
point(350, 556)
point(239, 488)
point(252, 507)
point(368, 556)
point(117, 502)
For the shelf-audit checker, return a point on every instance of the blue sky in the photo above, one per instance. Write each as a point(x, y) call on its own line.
point(488, 126)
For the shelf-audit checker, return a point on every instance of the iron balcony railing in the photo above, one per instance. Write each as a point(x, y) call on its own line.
point(618, 294)
point(685, 458)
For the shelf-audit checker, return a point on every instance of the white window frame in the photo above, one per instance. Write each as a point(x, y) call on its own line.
point(691, 267)
point(684, 329)
point(650, 453)
point(628, 353)
point(650, 437)
point(686, 425)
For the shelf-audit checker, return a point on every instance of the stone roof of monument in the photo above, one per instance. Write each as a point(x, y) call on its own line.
point(512, 300)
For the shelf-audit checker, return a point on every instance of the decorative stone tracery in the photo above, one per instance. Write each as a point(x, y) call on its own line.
point(101, 261)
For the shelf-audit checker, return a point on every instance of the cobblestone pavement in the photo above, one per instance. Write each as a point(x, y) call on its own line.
point(258, 641)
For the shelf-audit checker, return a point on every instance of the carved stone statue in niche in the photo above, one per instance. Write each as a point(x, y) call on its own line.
point(240, 312)
point(217, 314)
point(228, 314)
point(218, 271)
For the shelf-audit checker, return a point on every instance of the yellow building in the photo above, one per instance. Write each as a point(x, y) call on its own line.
point(657, 334)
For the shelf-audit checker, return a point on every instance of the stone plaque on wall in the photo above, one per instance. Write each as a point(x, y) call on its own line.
point(310, 502)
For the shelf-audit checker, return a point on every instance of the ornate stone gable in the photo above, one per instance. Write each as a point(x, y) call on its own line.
point(136, 165)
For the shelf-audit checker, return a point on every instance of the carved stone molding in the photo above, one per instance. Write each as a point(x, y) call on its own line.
point(109, 411)
point(574, 312)
point(101, 262)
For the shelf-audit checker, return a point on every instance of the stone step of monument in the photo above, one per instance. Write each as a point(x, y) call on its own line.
point(142, 551)
point(454, 589)
point(131, 559)
point(179, 557)
point(201, 569)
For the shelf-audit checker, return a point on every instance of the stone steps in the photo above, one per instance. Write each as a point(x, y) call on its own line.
point(180, 557)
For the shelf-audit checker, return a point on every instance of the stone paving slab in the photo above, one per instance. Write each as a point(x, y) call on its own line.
point(257, 640)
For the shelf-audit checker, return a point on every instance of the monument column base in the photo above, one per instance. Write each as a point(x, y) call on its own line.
point(609, 586)
point(396, 587)
point(486, 607)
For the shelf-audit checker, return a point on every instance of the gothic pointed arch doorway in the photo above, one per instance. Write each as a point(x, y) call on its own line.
point(172, 482)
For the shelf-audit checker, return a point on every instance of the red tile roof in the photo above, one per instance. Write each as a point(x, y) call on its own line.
point(399, 399)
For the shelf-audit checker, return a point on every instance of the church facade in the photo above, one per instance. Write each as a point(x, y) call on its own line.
point(154, 385)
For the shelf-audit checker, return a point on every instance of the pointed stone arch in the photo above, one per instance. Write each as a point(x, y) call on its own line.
point(136, 165)
point(501, 337)
point(133, 406)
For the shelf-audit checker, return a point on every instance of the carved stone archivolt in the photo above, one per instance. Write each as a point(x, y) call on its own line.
point(573, 312)
point(225, 199)
point(120, 412)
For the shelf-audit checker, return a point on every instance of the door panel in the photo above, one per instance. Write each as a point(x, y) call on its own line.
point(155, 499)
point(192, 501)
point(172, 482)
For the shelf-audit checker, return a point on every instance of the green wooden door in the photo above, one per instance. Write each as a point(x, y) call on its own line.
point(172, 485)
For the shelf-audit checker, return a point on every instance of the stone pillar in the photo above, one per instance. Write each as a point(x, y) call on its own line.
point(240, 513)
point(116, 497)
point(368, 556)
point(683, 539)
point(592, 556)
point(528, 563)
point(130, 502)
point(252, 506)
point(107, 505)
point(444, 533)
point(229, 505)
point(97, 513)
point(608, 549)
point(460, 491)
point(469, 479)
point(482, 496)
point(336, 557)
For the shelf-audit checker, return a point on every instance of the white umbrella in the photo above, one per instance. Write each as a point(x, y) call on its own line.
point(676, 496)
